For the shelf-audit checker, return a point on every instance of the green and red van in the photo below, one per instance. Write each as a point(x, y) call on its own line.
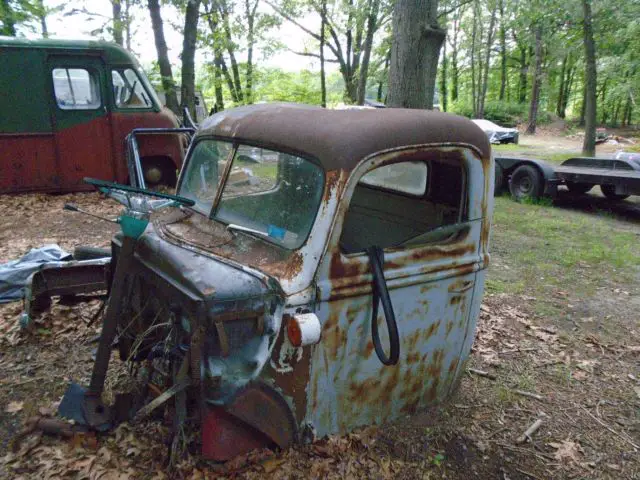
point(66, 107)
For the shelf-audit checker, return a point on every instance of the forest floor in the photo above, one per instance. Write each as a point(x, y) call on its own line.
point(558, 336)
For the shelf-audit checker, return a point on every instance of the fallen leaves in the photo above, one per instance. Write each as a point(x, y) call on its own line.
point(14, 407)
point(567, 451)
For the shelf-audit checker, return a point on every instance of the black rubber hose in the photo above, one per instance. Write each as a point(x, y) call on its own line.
point(381, 293)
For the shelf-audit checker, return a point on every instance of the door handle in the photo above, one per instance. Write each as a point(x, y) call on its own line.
point(460, 287)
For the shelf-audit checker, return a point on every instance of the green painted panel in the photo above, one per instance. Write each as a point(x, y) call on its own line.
point(24, 98)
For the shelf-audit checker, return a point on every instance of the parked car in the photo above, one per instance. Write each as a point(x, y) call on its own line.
point(67, 106)
point(252, 300)
point(496, 133)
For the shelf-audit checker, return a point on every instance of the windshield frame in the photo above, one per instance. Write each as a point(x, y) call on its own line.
point(235, 144)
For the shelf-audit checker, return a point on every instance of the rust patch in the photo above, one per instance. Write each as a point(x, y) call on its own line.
point(455, 300)
point(449, 328)
point(453, 365)
point(293, 384)
point(332, 181)
point(433, 328)
point(287, 269)
point(350, 268)
point(411, 341)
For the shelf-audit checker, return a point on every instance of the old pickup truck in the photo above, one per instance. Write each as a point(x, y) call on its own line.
point(317, 271)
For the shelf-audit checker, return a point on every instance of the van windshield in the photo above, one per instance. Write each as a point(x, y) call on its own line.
point(270, 194)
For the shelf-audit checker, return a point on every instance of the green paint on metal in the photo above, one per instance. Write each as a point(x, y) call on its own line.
point(133, 227)
point(24, 97)
point(111, 53)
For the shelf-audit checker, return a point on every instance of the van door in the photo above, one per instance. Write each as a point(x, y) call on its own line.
point(421, 213)
point(81, 119)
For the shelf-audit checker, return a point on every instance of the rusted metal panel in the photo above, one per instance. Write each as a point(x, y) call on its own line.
point(28, 162)
point(340, 139)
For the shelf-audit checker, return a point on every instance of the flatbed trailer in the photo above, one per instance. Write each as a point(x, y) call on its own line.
point(526, 177)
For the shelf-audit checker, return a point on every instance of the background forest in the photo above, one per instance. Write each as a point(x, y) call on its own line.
point(510, 61)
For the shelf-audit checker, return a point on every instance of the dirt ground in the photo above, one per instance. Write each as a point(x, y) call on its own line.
point(563, 351)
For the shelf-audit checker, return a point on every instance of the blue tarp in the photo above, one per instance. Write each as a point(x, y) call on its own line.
point(14, 275)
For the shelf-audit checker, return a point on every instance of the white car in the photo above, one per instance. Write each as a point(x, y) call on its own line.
point(496, 133)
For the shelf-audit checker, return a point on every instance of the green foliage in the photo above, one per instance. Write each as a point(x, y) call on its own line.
point(507, 114)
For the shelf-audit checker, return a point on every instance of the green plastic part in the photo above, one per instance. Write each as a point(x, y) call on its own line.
point(133, 227)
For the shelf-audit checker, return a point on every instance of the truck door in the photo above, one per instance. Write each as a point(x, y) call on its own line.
point(81, 119)
point(423, 213)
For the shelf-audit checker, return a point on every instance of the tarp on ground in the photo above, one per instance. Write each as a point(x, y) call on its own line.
point(14, 275)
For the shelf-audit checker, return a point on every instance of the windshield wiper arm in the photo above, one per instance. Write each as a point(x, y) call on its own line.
point(240, 228)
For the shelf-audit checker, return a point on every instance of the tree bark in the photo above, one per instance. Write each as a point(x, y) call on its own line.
point(603, 94)
point(188, 91)
point(372, 20)
point(485, 77)
point(561, 88)
point(589, 144)
point(217, 82)
point(168, 85)
point(42, 16)
point(251, 16)
point(323, 74)
point(414, 53)
point(537, 80)
point(443, 79)
point(474, 96)
point(503, 54)
point(455, 71)
point(116, 8)
point(235, 70)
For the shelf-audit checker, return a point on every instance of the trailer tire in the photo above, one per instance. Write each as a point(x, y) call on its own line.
point(526, 182)
point(498, 186)
point(579, 188)
point(609, 191)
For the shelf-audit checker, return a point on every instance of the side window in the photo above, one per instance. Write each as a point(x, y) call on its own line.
point(76, 89)
point(408, 203)
point(128, 91)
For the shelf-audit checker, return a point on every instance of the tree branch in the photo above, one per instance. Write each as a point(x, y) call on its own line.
point(315, 55)
point(453, 9)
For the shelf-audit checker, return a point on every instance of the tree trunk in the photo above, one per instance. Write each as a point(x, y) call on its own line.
point(42, 16)
point(235, 70)
point(537, 80)
point(127, 24)
point(188, 97)
point(251, 16)
point(168, 85)
point(603, 94)
point(560, 103)
point(455, 72)
point(217, 82)
point(323, 74)
point(589, 145)
point(524, 75)
point(372, 26)
point(484, 79)
point(116, 8)
point(417, 39)
point(474, 100)
point(503, 54)
point(443, 79)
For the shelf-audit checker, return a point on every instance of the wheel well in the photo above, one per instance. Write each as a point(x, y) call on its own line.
point(166, 164)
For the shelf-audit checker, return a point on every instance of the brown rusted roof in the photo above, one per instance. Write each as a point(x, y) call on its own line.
point(339, 139)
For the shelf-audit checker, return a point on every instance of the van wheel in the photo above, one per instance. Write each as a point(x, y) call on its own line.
point(609, 191)
point(159, 171)
point(526, 182)
point(579, 188)
point(499, 180)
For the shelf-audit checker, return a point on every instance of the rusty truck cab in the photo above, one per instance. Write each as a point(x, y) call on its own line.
point(305, 219)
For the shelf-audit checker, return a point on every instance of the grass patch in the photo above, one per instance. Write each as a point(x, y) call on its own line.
point(510, 147)
point(544, 249)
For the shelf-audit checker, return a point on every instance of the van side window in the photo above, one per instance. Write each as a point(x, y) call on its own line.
point(76, 89)
point(128, 91)
point(408, 203)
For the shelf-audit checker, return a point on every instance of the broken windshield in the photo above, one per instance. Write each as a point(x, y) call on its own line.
point(274, 194)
